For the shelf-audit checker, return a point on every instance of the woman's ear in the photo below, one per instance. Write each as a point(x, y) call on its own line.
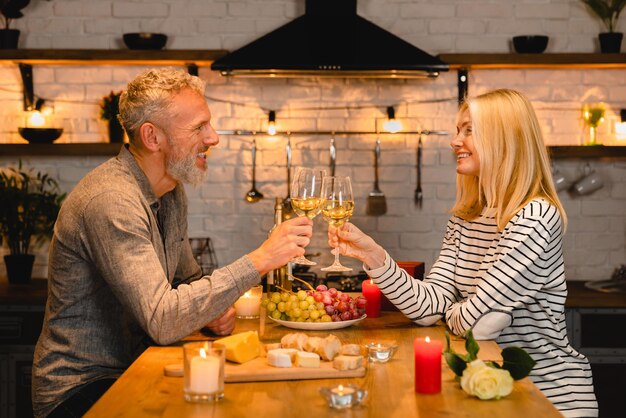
point(149, 136)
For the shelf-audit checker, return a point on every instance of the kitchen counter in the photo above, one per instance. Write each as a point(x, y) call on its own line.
point(144, 391)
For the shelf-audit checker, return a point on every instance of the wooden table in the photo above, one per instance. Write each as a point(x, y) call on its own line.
point(144, 391)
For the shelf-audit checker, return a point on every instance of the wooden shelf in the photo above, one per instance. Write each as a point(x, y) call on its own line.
point(549, 61)
point(597, 151)
point(107, 149)
point(199, 57)
point(66, 150)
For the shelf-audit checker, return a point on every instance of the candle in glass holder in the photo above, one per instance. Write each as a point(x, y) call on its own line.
point(427, 365)
point(203, 372)
point(371, 292)
point(248, 305)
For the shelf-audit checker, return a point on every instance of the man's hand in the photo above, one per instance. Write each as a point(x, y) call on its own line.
point(284, 243)
point(225, 324)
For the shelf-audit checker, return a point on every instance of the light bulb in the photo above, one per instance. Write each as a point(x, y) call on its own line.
point(392, 124)
point(271, 124)
point(36, 120)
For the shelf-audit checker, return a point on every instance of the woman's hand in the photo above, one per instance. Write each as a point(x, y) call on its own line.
point(352, 242)
point(225, 324)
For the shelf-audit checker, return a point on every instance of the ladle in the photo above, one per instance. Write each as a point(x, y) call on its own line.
point(253, 195)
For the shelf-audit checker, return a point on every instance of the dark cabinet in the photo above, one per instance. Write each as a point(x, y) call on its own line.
point(21, 317)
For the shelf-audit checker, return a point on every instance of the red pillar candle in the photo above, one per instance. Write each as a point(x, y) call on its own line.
point(371, 292)
point(427, 365)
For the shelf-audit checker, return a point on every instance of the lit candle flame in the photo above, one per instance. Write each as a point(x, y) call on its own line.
point(427, 339)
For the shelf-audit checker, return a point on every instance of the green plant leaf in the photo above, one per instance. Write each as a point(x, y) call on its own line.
point(471, 346)
point(456, 363)
point(517, 361)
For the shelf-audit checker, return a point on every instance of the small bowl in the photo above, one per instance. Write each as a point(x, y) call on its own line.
point(380, 352)
point(342, 397)
point(145, 40)
point(530, 44)
point(40, 135)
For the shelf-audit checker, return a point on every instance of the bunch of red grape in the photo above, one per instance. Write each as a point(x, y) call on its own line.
point(340, 306)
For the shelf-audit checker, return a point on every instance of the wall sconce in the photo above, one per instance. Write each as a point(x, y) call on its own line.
point(38, 125)
point(271, 123)
point(620, 126)
point(392, 124)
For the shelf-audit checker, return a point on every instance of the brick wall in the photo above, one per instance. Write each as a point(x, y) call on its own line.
point(595, 243)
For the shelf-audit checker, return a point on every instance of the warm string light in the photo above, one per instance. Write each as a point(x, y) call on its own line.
point(271, 123)
point(392, 125)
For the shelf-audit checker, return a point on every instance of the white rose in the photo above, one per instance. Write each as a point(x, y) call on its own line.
point(486, 382)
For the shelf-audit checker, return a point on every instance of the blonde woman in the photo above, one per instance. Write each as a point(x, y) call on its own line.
point(500, 271)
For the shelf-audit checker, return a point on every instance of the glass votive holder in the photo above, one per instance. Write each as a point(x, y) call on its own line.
point(203, 371)
point(380, 352)
point(342, 397)
point(249, 304)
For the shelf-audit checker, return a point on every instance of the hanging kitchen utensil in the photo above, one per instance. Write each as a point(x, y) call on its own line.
point(287, 208)
point(376, 204)
point(253, 195)
point(333, 155)
point(418, 189)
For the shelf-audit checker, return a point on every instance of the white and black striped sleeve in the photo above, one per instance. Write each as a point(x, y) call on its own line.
point(424, 302)
point(513, 272)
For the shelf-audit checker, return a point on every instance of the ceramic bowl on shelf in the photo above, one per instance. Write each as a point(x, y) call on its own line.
point(40, 135)
point(145, 40)
point(530, 44)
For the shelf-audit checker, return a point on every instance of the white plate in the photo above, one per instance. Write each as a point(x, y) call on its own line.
point(318, 326)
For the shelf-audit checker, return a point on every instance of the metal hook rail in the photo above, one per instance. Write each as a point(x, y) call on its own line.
point(242, 132)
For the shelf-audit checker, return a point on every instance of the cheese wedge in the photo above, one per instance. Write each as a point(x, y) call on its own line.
point(241, 347)
point(348, 362)
point(309, 360)
point(281, 357)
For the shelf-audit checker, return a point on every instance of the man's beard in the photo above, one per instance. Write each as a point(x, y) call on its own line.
point(183, 168)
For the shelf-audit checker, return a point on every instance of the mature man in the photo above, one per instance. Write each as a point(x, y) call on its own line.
point(121, 272)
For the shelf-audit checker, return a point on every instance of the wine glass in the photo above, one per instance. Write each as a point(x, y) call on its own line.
point(337, 209)
point(306, 199)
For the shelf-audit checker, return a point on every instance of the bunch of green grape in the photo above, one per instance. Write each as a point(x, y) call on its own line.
point(298, 307)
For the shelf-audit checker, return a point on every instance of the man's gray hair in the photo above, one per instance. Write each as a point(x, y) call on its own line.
point(149, 96)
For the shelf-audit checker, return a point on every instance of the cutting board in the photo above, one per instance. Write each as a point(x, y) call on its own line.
point(258, 370)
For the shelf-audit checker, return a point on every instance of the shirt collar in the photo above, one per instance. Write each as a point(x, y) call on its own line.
point(142, 180)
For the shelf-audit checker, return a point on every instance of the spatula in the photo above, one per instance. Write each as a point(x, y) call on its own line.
point(376, 204)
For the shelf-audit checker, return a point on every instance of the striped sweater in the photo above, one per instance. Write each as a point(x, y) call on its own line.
point(508, 286)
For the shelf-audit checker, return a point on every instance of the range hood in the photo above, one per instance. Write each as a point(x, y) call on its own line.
point(330, 40)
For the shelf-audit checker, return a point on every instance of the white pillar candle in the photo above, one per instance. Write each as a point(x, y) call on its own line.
point(204, 373)
point(248, 305)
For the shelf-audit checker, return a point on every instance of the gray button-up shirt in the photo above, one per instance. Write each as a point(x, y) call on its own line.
point(117, 284)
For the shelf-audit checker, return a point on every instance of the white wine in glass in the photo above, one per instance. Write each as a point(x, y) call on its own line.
point(337, 209)
point(306, 199)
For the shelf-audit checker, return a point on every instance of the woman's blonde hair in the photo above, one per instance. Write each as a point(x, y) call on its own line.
point(514, 162)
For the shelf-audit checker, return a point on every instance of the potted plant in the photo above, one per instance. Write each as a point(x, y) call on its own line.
point(608, 12)
point(30, 204)
point(109, 109)
point(10, 10)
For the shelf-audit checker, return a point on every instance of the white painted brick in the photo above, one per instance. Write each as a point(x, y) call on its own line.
point(542, 11)
point(123, 9)
point(430, 11)
point(100, 9)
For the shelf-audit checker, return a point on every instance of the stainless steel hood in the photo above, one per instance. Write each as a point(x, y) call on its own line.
point(330, 40)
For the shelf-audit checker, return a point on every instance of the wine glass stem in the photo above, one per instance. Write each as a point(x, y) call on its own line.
point(337, 255)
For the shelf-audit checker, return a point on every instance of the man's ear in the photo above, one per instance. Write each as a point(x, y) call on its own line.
point(149, 136)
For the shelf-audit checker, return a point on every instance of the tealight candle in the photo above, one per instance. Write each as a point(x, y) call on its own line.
point(371, 292)
point(341, 397)
point(380, 352)
point(427, 365)
point(203, 372)
point(248, 305)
